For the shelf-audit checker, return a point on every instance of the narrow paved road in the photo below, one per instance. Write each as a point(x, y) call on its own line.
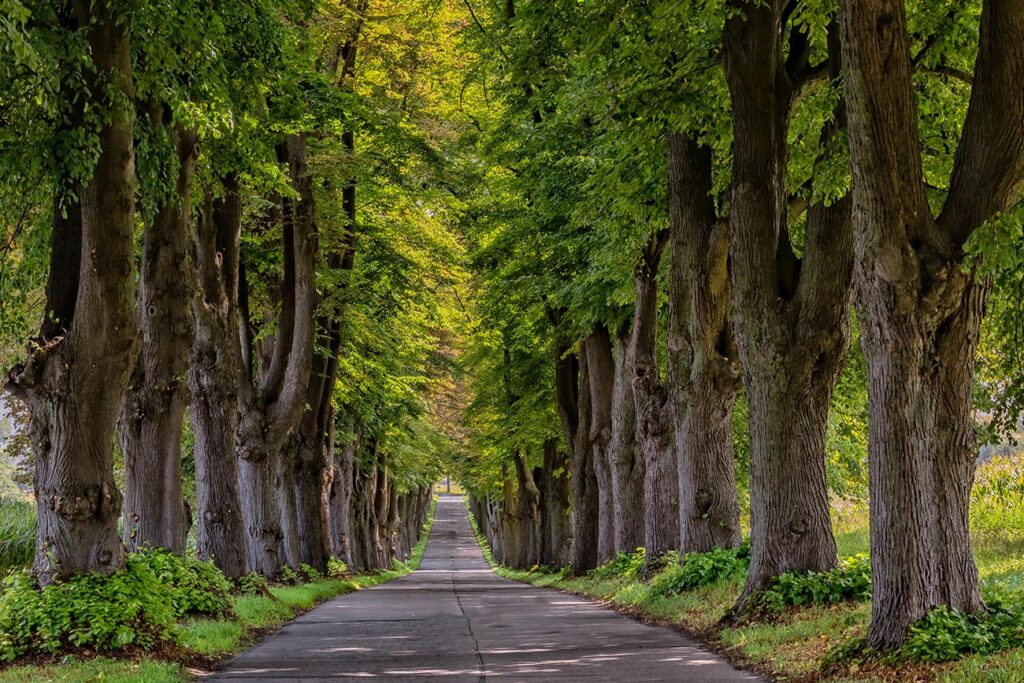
point(456, 620)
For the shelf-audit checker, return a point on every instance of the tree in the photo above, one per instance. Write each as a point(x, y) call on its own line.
point(703, 372)
point(790, 313)
point(78, 366)
point(273, 390)
point(214, 372)
point(920, 305)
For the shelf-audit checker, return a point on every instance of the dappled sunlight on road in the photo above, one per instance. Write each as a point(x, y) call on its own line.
point(456, 620)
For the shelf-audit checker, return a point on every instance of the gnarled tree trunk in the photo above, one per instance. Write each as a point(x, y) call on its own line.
point(527, 515)
point(273, 405)
point(702, 358)
point(379, 532)
point(920, 312)
point(790, 314)
point(342, 500)
point(601, 378)
point(76, 374)
point(214, 373)
point(653, 413)
point(552, 480)
point(627, 461)
point(153, 410)
point(572, 392)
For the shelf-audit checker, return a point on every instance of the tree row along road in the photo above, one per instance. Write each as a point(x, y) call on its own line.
point(456, 620)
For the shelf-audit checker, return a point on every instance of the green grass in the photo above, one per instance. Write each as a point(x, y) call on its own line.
point(106, 670)
point(258, 611)
point(215, 638)
point(17, 534)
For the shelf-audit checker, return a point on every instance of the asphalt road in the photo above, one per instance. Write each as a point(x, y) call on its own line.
point(455, 620)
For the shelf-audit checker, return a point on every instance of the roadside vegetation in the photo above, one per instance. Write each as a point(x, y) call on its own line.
point(163, 618)
point(811, 626)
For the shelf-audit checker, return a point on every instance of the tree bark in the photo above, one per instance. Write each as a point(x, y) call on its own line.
point(601, 377)
point(381, 500)
point(273, 406)
point(920, 311)
point(214, 373)
point(153, 410)
point(76, 374)
point(342, 500)
point(628, 472)
point(285, 488)
point(573, 391)
point(553, 486)
point(653, 413)
point(703, 367)
point(527, 514)
point(364, 515)
point(790, 314)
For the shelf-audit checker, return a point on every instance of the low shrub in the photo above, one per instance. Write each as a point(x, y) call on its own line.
point(136, 607)
point(17, 534)
point(997, 517)
point(288, 576)
point(253, 584)
point(197, 587)
point(130, 608)
point(850, 581)
point(945, 634)
point(337, 569)
point(625, 565)
point(695, 570)
point(310, 573)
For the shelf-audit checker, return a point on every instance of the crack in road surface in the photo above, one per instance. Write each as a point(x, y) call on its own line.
point(469, 624)
point(455, 620)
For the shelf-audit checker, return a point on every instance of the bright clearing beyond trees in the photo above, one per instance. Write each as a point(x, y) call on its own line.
point(713, 307)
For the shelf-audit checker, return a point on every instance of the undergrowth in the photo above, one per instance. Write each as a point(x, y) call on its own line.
point(136, 607)
point(159, 602)
point(850, 581)
point(701, 569)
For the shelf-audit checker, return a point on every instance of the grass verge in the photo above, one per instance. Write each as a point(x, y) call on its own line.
point(790, 645)
point(203, 643)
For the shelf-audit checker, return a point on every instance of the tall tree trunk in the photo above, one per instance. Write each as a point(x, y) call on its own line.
point(791, 314)
point(76, 374)
point(342, 506)
point(601, 377)
point(273, 406)
point(214, 374)
point(920, 311)
point(553, 486)
point(153, 411)
point(311, 461)
point(379, 531)
point(356, 543)
point(363, 516)
point(527, 512)
point(494, 527)
point(285, 491)
point(391, 544)
point(653, 413)
point(626, 456)
point(573, 396)
point(311, 456)
point(703, 366)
